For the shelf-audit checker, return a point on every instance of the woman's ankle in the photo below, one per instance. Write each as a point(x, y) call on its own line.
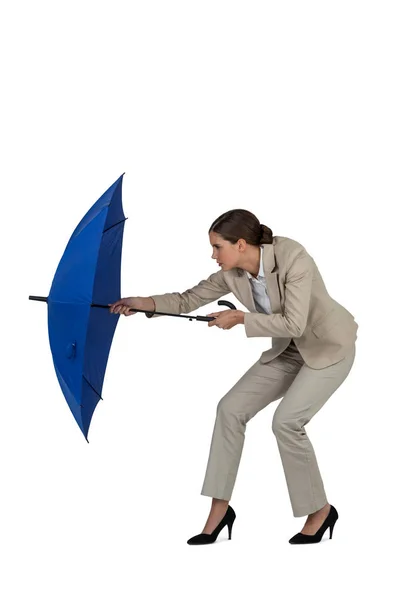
point(219, 502)
point(321, 510)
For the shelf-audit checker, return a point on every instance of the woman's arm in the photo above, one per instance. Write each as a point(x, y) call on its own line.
point(204, 292)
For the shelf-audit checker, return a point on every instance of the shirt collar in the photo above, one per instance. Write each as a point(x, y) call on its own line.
point(261, 269)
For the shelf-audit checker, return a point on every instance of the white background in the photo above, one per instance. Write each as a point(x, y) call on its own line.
point(287, 109)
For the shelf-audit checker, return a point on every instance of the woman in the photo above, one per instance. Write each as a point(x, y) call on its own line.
point(313, 350)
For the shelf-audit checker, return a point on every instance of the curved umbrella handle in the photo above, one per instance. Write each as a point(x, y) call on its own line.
point(226, 303)
point(221, 303)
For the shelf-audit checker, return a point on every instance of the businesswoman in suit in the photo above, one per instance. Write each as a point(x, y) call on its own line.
point(313, 350)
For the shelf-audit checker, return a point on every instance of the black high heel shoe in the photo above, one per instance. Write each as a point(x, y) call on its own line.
point(209, 538)
point(303, 538)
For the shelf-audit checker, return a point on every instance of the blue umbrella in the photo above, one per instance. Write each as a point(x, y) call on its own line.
point(87, 280)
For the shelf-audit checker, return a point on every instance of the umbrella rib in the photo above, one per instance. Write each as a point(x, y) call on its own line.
point(88, 382)
point(108, 228)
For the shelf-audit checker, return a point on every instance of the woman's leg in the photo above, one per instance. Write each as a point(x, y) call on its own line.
point(309, 391)
point(260, 385)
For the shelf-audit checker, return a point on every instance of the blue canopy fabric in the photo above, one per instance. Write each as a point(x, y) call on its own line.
point(89, 273)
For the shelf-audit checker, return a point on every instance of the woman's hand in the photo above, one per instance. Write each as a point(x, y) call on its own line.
point(124, 306)
point(226, 319)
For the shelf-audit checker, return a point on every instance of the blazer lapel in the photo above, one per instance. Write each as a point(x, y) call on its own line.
point(271, 278)
point(271, 281)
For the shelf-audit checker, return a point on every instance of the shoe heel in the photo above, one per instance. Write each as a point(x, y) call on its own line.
point(331, 530)
point(230, 525)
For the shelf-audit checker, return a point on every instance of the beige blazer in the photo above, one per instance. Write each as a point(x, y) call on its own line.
point(322, 329)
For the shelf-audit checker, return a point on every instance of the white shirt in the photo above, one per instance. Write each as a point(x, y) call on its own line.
point(258, 285)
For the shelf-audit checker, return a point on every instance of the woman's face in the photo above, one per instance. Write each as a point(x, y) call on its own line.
point(224, 252)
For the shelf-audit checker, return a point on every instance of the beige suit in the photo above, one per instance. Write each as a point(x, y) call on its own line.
point(313, 349)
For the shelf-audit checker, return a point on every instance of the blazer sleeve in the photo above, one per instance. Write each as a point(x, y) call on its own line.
point(206, 291)
point(296, 306)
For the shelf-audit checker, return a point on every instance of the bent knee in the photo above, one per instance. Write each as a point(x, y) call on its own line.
point(284, 424)
point(227, 405)
point(229, 408)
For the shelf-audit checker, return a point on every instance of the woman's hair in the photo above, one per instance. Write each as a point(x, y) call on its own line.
point(240, 223)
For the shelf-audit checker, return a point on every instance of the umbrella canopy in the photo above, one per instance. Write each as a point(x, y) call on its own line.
point(87, 281)
point(80, 334)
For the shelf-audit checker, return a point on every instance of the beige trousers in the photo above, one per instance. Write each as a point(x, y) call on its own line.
point(303, 391)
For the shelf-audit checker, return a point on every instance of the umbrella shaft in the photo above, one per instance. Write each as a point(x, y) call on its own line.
point(150, 313)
